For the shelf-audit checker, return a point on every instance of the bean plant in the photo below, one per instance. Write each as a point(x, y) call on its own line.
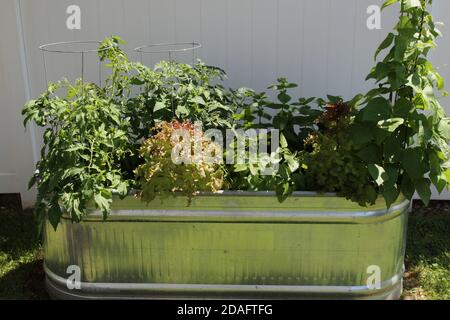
point(402, 132)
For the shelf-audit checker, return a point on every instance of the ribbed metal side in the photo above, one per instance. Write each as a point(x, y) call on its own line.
point(321, 242)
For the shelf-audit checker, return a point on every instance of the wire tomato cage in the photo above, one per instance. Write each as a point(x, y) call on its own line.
point(83, 59)
point(170, 50)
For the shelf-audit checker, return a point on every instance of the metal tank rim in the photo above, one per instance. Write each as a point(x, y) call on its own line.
point(57, 287)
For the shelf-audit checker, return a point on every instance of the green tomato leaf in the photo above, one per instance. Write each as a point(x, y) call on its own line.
point(283, 191)
point(283, 142)
point(159, 105)
point(402, 108)
point(181, 111)
point(137, 81)
point(102, 203)
point(122, 188)
point(392, 148)
point(280, 121)
point(334, 99)
point(198, 100)
point(54, 215)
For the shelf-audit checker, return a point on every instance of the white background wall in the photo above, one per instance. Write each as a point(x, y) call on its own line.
point(324, 45)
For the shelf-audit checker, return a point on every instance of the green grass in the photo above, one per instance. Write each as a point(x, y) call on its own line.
point(427, 257)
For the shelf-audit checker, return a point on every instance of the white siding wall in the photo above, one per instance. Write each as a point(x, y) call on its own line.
point(16, 151)
point(324, 45)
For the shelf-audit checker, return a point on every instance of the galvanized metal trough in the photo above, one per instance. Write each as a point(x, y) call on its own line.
point(232, 245)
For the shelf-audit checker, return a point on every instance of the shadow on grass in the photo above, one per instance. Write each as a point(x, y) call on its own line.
point(21, 271)
point(428, 237)
point(427, 258)
point(27, 281)
point(18, 232)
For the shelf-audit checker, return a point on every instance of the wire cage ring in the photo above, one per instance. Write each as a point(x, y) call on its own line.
point(49, 47)
point(169, 49)
point(81, 48)
point(159, 47)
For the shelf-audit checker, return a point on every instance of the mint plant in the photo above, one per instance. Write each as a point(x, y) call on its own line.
point(278, 171)
point(294, 119)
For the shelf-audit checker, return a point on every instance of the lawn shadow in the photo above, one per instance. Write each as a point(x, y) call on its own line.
point(21, 259)
point(428, 237)
point(27, 281)
point(18, 232)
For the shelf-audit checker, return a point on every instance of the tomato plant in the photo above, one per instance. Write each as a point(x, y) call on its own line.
point(84, 140)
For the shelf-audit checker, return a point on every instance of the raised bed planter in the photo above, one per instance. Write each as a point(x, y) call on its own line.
point(235, 244)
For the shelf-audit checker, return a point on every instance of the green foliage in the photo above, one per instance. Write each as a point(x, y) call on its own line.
point(169, 91)
point(93, 135)
point(392, 140)
point(84, 140)
point(118, 83)
point(333, 165)
point(179, 91)
point(278, 171)
point(163, 175)
point(294, 120)
point(402, 122)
